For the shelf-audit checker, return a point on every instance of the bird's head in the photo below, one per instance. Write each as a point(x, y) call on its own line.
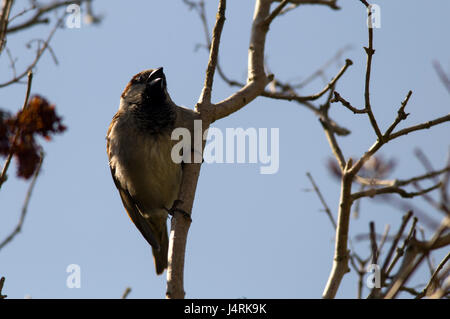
point(146, 99)
point(147, 88)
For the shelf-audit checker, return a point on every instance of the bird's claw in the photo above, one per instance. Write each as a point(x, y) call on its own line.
point(179, 210)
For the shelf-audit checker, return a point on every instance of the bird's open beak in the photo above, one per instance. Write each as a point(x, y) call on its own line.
point(157, 79)
point(156, 74)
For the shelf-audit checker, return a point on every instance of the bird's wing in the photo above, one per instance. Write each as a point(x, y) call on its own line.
point(130, 204)
point(132, 208)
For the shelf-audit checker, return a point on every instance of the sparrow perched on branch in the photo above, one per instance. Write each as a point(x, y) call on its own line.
point(139, 149)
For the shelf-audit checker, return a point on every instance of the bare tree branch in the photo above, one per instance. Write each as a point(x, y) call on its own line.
point(255, 86)
point(39, 54)
point(401, 250)
point(350, 171)
point(291, 96)
point(418, 127)
point(339, 98)
point(393, 189)
point(4, 19)
point(320, 72)
point(401, 115)
point(411, 264)
point(395, 242)
point(209, 113)
point(257, 79)
point(276, 12)
point(341, 255)
point(205, 97)
point(370, 52)
point(426, 290)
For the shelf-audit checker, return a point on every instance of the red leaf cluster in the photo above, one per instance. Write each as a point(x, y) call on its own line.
point(17, 133)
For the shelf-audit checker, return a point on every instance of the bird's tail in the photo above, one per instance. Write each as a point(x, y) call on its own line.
point(160, 255)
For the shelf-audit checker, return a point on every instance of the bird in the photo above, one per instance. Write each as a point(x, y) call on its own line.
point(139, 147)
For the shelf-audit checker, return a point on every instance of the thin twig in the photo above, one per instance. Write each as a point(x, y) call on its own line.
point(330, 3)
point(2, 282)
point(329, 133)
point(445, 183)
point(4, 19)
point(360, 270)
point(276, 12)
point(294, 97)
point(418, 127)
point(375, 293)
point(401, 251)
point(126, 293)
point(425, 291)
point(423, 159)
point(440, 242)
point(410, 267)
point(205, 96)
point(430, 174)
point(429, 262)
point(401, 115)
point(40, 11)
point(370, 52)
point(12, 62)
point(438, 206)
point(25, 205)
point(397, 238)
point(16, 136)
point(322, 200)
point(344, 102)
point(445, 79)
point(321, 71)
point(39, 54)
point(373, 243)
point(391, 190)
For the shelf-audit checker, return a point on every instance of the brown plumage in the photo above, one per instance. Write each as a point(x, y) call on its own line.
point(139, 150)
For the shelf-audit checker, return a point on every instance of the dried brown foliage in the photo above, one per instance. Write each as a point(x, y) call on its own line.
point(18, 133)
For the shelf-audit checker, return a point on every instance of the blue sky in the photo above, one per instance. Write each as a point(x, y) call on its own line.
point(253, 235)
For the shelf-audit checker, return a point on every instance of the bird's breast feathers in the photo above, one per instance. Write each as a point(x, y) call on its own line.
point(143, 165)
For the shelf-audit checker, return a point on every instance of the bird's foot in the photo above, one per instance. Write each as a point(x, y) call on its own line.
point(179, 210)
